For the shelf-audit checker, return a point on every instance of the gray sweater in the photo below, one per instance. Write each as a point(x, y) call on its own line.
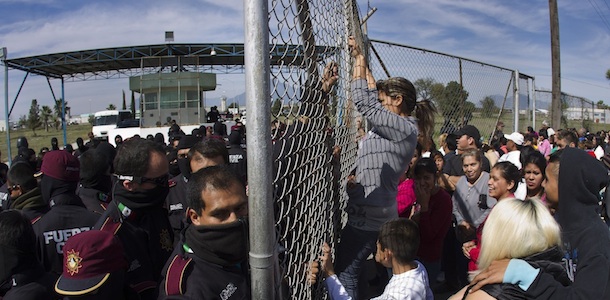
point(466, 198)
point(384, 154)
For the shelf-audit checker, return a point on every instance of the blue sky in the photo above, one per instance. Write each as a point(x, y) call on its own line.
point(512, 34)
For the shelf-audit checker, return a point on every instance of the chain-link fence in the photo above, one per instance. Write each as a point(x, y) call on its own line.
point(464, 91)
point(315, 133)
point(577, 111)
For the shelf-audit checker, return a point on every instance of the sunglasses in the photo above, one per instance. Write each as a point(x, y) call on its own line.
point(160, 181)
point(11, 188)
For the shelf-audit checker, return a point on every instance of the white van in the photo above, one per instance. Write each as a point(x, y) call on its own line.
point(108, 119)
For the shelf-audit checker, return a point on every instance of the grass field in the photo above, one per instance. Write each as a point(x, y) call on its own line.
point(42, 138)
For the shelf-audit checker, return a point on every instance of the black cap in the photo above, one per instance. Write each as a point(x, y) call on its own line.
point(188, 141)
point(470, 131)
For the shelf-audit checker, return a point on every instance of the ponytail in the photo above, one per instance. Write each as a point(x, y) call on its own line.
point(424, 112)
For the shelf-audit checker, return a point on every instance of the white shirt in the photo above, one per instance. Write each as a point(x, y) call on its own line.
point(410, 285)
point(512, 156)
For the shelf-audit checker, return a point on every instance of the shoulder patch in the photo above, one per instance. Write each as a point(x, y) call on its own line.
point(171, 183)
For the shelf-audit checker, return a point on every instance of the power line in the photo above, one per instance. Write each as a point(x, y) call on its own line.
point(579, 81)
point(601, 16)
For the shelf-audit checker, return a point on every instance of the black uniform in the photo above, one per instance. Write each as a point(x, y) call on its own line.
point(201, 279)
point(146, 227)
point(176, 204)
point(140, 275)
point(31, 282)
point(67, 217)
point(94, 200)
point(238, 161)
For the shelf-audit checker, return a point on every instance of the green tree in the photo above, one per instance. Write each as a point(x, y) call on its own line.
point(91, 119)
point(111, 107)
point(453, 105)
point(608, 74)
point(59, 115)
point(23, 121)
point(488, 107)
point(234, 105)
point(33, 121)
point(46, 114)
point(276, 107)
point(601, 105)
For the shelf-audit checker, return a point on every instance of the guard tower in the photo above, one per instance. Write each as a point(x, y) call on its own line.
point(172, 93)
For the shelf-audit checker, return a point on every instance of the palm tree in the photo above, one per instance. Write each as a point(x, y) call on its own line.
point(59, 112)
point(111, 107)
point(47, 115)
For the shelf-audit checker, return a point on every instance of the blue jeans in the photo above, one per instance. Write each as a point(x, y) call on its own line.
point(354, 248)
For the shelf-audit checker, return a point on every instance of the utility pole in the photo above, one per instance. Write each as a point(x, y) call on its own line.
point(556, 108)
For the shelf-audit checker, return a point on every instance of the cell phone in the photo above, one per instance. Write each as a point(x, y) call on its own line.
point(482, 202)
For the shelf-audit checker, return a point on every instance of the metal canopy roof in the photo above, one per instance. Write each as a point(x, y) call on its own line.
point(135, 60)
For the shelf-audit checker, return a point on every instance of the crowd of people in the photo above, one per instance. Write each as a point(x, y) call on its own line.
point(515, 227)
point(520, 217)
point(143, 220)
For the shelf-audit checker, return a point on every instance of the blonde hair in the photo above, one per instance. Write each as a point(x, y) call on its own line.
point(517, 229)
point(442, 139)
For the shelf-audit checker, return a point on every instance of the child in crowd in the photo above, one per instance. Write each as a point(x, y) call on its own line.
point(396, 249)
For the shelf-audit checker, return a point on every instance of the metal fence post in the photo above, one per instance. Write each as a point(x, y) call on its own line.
point(262, 231)
point(516, 102)
point(8, 127)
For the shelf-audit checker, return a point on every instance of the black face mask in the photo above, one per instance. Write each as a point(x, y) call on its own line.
point(225, 245)
point(185, 168)
point(141, 198)
point(174, 169)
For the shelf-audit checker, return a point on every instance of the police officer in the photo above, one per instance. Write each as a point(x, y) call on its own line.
point(67, 216)
point(22, 277)
point(95, 181)
point(176, 199)
point(136, 214)
point(211, 259)
point(24, 192)
point(237, 156)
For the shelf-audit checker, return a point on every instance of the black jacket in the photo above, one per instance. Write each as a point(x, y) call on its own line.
point(145, 228)
point(238, 161)
point(94, 200)
point(548, 261)
point(176, 204)
point(204, 280)
point(66, 218)
point(30, 283)
point(585, 236)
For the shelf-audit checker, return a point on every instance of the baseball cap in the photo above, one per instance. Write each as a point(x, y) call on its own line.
point(89, 259)
point(187, 142)
point(470, 131)
point(61, 165)
point(515, 137)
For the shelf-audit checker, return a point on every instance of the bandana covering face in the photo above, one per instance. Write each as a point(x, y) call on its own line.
point(225, 245)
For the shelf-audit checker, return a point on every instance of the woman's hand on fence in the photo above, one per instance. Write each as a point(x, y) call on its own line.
point(330, 76)
point(326, 262)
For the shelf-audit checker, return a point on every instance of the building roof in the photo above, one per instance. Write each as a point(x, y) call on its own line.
point(135, 60)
